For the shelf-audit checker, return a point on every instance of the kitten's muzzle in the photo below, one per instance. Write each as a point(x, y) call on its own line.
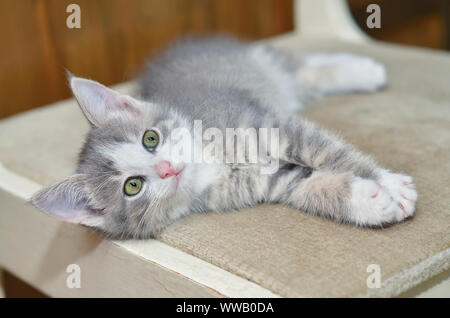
point(164, 169)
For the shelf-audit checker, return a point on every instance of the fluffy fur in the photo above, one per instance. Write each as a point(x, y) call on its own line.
point(226, 84)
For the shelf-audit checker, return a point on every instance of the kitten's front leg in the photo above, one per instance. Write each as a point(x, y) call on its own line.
point(344, 184)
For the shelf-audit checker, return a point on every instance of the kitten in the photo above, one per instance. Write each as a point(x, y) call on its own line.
point(129, 183)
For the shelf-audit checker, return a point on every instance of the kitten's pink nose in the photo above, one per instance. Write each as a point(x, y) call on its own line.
point(164, 169)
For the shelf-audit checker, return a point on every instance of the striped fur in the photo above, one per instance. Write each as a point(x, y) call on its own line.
point(225, 84)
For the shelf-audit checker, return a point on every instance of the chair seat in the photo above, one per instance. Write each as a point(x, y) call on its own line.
point(289, 253)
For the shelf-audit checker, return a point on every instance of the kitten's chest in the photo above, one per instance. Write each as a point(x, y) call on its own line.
point(237, 186)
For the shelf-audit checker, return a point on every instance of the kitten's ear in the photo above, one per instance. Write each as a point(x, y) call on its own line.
point(68, 200)
point(100, 103)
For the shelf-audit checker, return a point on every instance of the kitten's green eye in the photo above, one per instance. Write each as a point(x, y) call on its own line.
point(150, 139)
point(133, 186)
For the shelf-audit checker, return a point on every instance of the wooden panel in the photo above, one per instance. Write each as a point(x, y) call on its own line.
point(114, 39)
point(427, 31)
point(413, 22)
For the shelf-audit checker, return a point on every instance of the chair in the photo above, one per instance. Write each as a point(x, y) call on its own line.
point(265, 251)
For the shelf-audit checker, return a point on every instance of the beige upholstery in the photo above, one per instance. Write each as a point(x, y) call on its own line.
point(407, 129)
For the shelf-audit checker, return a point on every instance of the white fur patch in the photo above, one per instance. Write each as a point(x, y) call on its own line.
point(341, 73)
point(393, 199)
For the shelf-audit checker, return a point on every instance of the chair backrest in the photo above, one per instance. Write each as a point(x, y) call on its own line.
point(327, 19)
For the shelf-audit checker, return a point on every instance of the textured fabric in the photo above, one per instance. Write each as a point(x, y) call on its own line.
point(405, 127)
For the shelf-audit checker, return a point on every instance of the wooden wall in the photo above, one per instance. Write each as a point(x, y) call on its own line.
point(115, 37)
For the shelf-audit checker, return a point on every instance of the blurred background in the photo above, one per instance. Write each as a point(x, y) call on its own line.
point(117, 35)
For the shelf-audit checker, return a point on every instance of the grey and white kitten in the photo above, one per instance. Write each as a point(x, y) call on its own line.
point(128, 184)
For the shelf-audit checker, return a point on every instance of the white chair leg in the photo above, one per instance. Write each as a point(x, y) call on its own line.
point(327, 19)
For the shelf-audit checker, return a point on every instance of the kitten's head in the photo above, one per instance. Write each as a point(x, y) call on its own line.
point(127, 183)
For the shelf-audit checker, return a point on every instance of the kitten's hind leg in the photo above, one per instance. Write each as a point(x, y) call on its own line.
point(334, 73)
point(347, 198)
point(342, 184)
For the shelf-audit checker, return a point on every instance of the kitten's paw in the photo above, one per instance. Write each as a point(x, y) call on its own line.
point(343, 72)
point(391, 200)
point(362, 74)
point(402, 190)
